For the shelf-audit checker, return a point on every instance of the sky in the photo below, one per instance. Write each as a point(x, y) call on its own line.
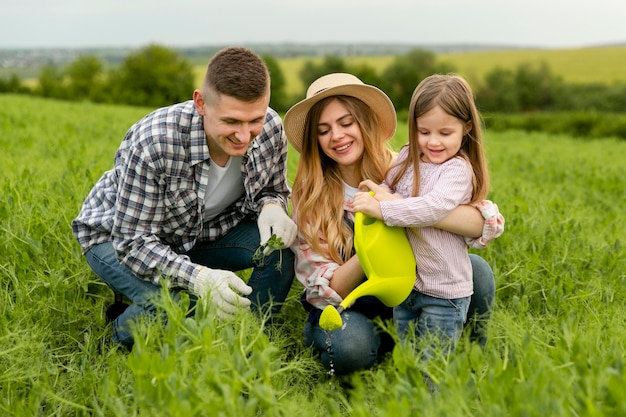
point(136, 23)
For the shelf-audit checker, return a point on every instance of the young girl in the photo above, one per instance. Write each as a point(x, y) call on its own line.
point(341, 130)
point(442, 166)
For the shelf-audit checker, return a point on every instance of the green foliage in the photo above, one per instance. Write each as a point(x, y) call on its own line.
point(51, 82)
point(589, 124)
point(85, 76)
point(311, 71)
point(278, 98)
point(154, 76)
point(404, 74)
point(555, 341)
point(13, 84)
point(529, 87)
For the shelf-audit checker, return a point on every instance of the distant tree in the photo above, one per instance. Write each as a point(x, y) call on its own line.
point(311, 71)
point(498, 92)
point(85, 78)
point(50, 82)
point(401, 77)
point(528, 88)
point(13, 85)
point(278, 100)
point(154, 76)
point(536, 87)
point(366, 73)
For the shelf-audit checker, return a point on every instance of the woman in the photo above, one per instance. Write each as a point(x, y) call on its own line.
point(341, 130)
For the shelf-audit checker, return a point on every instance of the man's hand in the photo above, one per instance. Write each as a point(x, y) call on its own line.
point(222, 288)
point(274, 220)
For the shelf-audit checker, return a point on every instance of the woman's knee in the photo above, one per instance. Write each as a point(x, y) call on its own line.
point(352, 347)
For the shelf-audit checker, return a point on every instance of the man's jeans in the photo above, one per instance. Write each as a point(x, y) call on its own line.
point(270, 281)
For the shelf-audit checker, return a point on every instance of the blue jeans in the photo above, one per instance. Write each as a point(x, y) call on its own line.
point(359, 343)
point(233, 252)
point(442, 318)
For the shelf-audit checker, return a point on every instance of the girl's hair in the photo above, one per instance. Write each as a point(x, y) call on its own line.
point(454, 95)
point(318, 190)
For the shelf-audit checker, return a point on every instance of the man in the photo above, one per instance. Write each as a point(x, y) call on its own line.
point(195, 189)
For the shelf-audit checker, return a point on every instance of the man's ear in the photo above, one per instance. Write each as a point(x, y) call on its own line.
point(198, 102)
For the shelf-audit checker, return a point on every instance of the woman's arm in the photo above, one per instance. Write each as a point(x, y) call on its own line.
point(326, 281)
point(464, 220)
point(347, 277)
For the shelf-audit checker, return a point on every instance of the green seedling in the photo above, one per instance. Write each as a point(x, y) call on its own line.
point(274, 243)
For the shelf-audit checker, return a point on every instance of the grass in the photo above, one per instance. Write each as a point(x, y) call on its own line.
point(556, 340)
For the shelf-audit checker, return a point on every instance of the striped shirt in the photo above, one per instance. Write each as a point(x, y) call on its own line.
point(443, 265)
point(151, 204)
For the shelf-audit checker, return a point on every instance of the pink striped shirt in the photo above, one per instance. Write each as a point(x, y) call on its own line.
point(443, 265)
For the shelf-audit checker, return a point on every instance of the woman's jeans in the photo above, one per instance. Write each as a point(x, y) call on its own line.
point(359, 343)
point(234, 251)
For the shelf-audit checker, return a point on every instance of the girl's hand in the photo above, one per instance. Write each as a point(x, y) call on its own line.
point(367, 204)
point(380, 193)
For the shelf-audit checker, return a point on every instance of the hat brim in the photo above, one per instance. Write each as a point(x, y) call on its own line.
point(295, 118)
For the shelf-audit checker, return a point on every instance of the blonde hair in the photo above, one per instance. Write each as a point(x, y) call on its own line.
point(454, 95)
point(318, 191)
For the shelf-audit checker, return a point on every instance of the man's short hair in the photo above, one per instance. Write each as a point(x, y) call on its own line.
point(236, 72)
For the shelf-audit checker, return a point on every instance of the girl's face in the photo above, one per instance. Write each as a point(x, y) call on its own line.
point(340, 138)
point(439, 135)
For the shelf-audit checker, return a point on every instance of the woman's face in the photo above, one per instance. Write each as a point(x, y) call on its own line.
point(339, 135)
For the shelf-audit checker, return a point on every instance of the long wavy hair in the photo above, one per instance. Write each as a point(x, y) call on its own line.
point(318, 191)
point(454, 95)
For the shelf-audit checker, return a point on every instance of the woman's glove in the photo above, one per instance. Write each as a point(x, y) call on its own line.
point(494, 224)
point(274, 220)
point(223, 289)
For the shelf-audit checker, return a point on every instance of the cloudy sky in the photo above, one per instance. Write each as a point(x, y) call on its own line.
point(136, 23)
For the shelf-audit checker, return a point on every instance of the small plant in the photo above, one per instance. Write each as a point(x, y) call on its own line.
point(273, 243)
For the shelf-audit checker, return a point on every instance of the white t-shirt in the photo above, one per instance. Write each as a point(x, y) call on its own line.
point(225, 186)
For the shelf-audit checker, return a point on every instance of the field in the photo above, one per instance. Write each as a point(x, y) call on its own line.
point(586, 65)
point(556, 340)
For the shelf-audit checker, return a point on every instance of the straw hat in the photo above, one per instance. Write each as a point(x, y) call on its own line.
point(344, 85)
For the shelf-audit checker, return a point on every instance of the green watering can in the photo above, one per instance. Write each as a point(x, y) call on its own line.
point(388, 261)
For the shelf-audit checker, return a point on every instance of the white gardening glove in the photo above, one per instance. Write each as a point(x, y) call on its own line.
point(222, 288)
point(493, 227)
point(274, 220)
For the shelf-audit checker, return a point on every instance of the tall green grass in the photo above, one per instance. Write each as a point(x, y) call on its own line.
point(556, 340)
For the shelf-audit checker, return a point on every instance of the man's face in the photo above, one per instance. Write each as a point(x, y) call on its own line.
point(230, 124)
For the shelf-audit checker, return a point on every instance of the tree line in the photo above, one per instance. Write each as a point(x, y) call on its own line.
point(155, 76)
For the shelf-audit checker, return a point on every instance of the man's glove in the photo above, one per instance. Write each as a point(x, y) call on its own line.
point(274, 220)
point(222, 288)
point(494, 224)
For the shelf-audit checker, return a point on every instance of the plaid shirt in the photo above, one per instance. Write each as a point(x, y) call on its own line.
point(151, 204)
